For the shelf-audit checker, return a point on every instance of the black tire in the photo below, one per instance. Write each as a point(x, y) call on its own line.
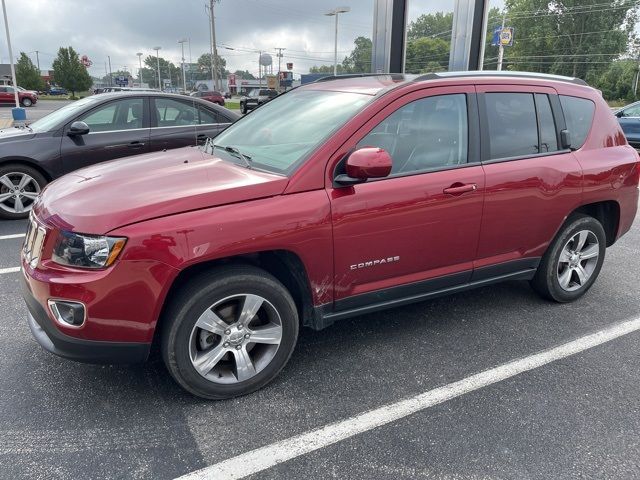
point(546, 281)
point(26, 102)
point(243, 108)
point(199, 294)
point(13, 170)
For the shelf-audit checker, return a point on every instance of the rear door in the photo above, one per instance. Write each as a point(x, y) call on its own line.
point(531, 182)
point(118, 128)
point(6, 96)
point(180, 123)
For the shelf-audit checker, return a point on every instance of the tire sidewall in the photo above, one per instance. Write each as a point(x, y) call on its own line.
point(177, 355)
point(551, 277)
point(26, 102)
point(37, 176)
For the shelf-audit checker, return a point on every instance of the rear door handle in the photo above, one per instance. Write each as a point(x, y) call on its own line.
point(460, 188)
point(136, 145)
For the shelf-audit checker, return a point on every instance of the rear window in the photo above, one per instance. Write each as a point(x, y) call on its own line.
point(578, 115)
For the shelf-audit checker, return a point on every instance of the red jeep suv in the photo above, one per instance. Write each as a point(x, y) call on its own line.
point(339, 198)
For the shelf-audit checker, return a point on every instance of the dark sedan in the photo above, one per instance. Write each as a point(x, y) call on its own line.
point(96, 129)
point(629, 119)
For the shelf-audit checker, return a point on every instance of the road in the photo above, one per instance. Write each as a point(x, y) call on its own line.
point(574, 417)
point(36, 112)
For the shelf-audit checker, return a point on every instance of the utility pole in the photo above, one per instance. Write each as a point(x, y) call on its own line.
point(214, 49)
point(38, 60)
point(500, 47)
point(279, 55)
point(110, 75)
point(184, 75)
point(11, 59)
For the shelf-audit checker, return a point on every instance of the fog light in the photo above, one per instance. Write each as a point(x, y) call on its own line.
point(67, 313)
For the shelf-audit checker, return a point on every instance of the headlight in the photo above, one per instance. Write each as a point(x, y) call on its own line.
point(86, 251)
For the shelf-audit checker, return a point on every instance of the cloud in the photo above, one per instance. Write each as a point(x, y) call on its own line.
point(120, 29)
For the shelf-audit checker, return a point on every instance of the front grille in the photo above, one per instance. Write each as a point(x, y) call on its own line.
point(33, 243)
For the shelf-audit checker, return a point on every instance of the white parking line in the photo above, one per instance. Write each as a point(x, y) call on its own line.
point(9, 270)
point(15, 235)
point(266, 457)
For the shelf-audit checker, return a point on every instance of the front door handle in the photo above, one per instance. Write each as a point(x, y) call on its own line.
point(460, 188)
point(136, 145)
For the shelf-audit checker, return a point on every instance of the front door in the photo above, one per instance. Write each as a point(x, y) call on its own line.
point(116, 129)
point(417, 229)
point(629, 119)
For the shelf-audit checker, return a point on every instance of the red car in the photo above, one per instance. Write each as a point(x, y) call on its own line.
point(215, 97)
point(7, 95)
point(339, 198)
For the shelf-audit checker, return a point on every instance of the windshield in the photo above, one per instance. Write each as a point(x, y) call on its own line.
point(52, 120)
point(279, 135)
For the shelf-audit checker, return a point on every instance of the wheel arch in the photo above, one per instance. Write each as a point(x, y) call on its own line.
point(27, 162)
point(284, 265)
point(607, 212)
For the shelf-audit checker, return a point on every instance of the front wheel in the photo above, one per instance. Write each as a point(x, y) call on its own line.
point(573, 261)
point(26, 102)
point(20, 185)
point(229, 332)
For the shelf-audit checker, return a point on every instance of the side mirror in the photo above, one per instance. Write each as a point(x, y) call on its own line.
point(78, 128)
point(565, 138)
point(363, 164)
point(620, 114)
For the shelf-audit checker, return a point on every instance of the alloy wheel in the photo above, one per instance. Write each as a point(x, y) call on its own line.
point(235, 338)
point(578, 260)
point(18, 192)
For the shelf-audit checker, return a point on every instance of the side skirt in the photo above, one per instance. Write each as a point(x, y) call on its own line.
point(325, 315)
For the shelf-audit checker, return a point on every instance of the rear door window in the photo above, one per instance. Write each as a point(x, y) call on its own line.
point(578, 115)
point(512, 125)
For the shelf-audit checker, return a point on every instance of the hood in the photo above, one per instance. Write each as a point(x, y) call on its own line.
point(109, 195)
point(12, 133)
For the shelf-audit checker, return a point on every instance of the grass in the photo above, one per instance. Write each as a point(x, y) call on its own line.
point(231, 105)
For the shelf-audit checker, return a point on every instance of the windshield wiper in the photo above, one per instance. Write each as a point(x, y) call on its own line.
point(237, 153)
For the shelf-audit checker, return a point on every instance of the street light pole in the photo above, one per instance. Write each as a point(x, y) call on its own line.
point(334, 13)
point(214, 49)
point(157, 49)
point(184, 75)
point(13, 68)
point(139, 54)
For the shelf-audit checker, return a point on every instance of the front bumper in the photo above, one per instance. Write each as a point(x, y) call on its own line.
point(88, 351)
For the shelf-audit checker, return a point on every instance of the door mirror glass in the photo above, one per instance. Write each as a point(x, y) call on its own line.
point(78, 128)
point(365, 163)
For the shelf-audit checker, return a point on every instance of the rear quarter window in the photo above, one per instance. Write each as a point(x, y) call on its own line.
point(578, 115)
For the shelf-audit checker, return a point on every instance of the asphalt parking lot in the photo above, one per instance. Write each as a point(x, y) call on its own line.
point(577, 417)
point(36, 112)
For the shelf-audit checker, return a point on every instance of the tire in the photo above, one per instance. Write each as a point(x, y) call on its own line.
point(26, 102)
point(243, 108)
point(221, 350)
point(573, 261)
point(14, 174)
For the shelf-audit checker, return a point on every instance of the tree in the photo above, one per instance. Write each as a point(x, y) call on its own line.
point(168, 71)
point(427, 54)
point(27, 74)
point(204, 65)
point(578, 38)
point(359, 60)
point(328, 69)
point(617, 81)
point(69, 73)
point(431, 25)
point(244, 75)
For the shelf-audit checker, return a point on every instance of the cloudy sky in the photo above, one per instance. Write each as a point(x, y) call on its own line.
point(120, 29)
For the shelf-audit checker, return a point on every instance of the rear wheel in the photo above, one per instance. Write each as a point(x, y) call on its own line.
point(20, 185)
point(573, 261)
point(243, 108)
point(229, 332)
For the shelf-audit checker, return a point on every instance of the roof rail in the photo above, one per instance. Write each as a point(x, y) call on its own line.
point(502, 73)
point(353, 75)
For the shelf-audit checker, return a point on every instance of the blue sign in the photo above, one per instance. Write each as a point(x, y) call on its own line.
point(122, 81)
point(502, 36)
